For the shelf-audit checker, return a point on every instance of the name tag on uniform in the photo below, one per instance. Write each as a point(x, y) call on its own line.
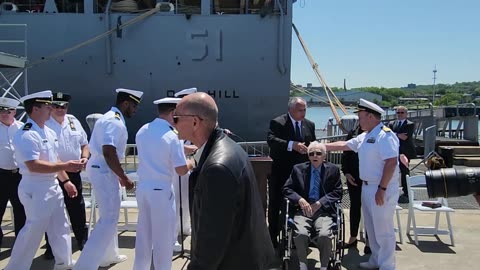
point(371, 140)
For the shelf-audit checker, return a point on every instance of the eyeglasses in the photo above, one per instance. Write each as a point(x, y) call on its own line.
point(7, 111)
point(400, 112)
point(176, 117)
point(311, 154)
point(56, 106)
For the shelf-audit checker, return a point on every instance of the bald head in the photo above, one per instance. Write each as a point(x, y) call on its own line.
point(200, 104)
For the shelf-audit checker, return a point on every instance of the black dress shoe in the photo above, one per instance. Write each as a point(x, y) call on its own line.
point(81, 244)
point(349, 245)
point(367, 250)
point(403, 199)
point(48, 255)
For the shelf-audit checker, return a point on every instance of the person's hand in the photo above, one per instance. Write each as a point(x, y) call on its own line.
point(402, 136)
point(70, 189)
point(315, 206)
point(351, 179)
point(306, 208)
point(127, 183)
point(379, 197)
point(404, 160)
point(189, 149)
point(84, 162)
point(74, 166)
point(300, 147)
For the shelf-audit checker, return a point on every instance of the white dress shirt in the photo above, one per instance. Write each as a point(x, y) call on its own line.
point(34, 143)
point(110, 129)
point(7, 161)
point(71, 137)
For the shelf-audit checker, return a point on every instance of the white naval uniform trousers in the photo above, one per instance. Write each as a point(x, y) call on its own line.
point(42, 199)
point(373, 149)
point(156, 215)
point(45, 211)
point(102, 245)
point(379, 223)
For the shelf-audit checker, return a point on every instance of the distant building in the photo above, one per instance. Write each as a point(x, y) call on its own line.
point(411, 86)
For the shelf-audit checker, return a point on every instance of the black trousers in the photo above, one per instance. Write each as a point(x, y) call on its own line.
point(279, 175)
point(355, 194)
point(404, 171)
point(9, 191)
point(76, 210)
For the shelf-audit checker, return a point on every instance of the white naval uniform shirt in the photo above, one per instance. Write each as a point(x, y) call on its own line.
point(71, 137)
point(7, 161)
point(373, 149)
point(110, 129)
point(35, 143)
point(159, 153)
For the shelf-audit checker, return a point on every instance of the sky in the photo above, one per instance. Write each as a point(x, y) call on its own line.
point(387, 43)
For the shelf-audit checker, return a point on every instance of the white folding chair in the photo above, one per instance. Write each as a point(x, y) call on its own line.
point(416, 205)
point(90, 203)
point(126, 204)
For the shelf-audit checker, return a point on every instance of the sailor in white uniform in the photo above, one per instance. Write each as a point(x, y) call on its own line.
point(378, 155)
point(39, 191)
point(161, 159)
point(182, 181)
point(72, 145)
point(107, 146)
point(9, 173)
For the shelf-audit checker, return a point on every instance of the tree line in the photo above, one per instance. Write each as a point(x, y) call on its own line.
point(445, 94)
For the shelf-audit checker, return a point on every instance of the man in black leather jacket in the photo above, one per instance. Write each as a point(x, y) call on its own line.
point(228, 225)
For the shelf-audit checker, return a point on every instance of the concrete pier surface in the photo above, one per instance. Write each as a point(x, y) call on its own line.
point(432, 252)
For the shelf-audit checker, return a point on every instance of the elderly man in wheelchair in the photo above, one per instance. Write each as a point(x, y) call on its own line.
point(313, 188)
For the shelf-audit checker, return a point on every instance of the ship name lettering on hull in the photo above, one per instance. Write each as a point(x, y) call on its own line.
point(223, 93)
point(213, 93)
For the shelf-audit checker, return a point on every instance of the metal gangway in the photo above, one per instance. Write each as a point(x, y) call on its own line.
point(13, 60)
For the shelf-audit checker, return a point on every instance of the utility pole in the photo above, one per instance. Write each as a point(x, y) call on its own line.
point(434, 79)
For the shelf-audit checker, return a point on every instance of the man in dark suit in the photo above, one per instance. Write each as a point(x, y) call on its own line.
point(404, 129)
point(314, 187)
point(228, 225)
point(288, 139)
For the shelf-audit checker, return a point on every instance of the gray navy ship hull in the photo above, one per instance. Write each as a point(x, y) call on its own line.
point(243, 61)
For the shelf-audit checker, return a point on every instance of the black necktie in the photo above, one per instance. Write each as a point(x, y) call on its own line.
point(297, 132)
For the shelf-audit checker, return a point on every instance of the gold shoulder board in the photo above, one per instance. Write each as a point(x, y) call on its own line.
point(386, 129)
point(27, 126)
point(174, 130)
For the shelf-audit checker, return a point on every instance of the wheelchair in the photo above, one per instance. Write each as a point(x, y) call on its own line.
point(338, 231)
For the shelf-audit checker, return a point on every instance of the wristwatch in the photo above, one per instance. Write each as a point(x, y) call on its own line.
point(382, 188)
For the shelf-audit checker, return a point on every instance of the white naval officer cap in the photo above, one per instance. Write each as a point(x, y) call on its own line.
point(167, 100)
point(131, 94)
point(185, 92)
point(39, 97)
point(365, 105)
point(8, 103)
